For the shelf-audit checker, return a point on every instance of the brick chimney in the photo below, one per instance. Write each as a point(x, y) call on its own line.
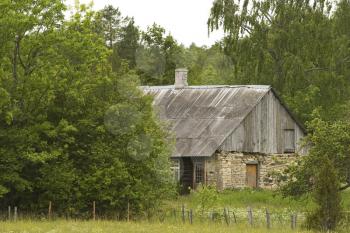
point(181, 78)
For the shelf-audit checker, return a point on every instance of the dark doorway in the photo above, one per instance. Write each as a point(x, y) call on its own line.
point(186, 178)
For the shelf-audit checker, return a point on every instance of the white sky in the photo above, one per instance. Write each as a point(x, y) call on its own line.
point(186, 20)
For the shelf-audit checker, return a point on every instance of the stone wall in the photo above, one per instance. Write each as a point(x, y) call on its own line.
point(228, 169)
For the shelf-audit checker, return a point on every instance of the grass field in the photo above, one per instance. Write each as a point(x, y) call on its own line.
point(132, 227)
point(236, 201)
point(247, 197)
point(256, 199)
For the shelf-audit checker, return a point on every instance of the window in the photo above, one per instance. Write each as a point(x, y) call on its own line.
point(199, 173)
point(175, 168)
point(289, 141)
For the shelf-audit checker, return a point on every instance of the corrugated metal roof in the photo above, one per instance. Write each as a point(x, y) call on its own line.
point(202, 117)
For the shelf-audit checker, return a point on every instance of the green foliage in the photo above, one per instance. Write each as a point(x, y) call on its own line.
point(329, 140)
point(327, 214)
point(109, 22)
point(298, 47)
point(158, 57)
point(64, 135)
point(205, 197)
point(208, 66)
point(129, 42)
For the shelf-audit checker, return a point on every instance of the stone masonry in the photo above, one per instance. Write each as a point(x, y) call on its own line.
point(228, 169)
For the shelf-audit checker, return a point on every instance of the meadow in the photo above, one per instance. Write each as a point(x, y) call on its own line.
point(170, 218)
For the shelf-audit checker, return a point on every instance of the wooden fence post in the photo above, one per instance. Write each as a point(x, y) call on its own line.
point(15, 214)
point(250, 216)
point(183, 213)
point(268, 222)
point(234, 216)
point(190, 216)
point(94, 210)
point(226, 216)
point(294, 221)
point(49, 211)
point(128, 211)
point(9, 212)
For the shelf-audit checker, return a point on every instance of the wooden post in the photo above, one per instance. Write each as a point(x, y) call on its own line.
point(250, 216)
point(183, 213)
point(234, 216)
point(49, 212)
point(128, 211)
point(9, 213)
point(94, 210)
point(15, 214)
point(226, 216)
point(268, 222)
point(190, 216)
point(174, 213)
point(294, 221)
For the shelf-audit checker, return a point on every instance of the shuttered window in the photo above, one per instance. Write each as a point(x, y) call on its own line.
point(289, 141)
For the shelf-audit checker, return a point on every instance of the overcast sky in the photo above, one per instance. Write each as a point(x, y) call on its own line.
point(186, 20)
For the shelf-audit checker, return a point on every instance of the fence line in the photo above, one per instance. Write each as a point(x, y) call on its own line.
point(229, 216)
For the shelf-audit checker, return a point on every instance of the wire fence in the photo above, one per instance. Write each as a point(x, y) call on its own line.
point(230, 216)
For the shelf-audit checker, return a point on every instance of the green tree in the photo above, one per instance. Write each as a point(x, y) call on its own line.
point(327, 214)
point(129, 42)
point(158, 57)
point(208, 66)
point(326, 140)
point(109, 22)
point(121, 35)
point(298, 47)
point(64, 134)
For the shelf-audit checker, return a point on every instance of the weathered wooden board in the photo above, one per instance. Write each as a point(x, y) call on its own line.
point(264, 130)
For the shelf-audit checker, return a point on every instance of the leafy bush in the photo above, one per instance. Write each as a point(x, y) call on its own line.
point(205, 197)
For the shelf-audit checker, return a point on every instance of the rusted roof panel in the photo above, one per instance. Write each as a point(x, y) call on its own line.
point(202, 117)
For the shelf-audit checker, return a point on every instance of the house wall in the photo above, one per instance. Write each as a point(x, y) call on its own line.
point(263, 130)
point(228, 170)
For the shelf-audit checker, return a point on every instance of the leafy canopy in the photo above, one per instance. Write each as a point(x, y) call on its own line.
point(65, 134)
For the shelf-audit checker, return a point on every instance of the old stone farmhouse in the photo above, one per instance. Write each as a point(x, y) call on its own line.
point(227, 136)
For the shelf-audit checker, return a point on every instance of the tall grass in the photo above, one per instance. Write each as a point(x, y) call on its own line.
point(170, 218)
point(247, 197)
point(242, 198)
